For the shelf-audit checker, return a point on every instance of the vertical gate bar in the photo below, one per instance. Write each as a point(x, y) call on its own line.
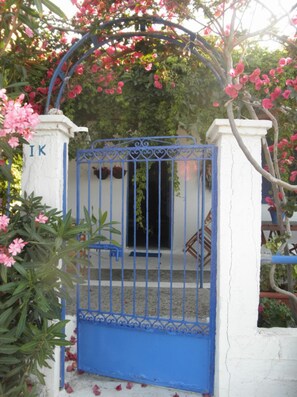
point(77, 222)
point(110, 236)
point(134, 237)
point(185, 239)
point(147, 226)
point(99, 280)
point(199, 222)
point(99, 252)
point(122, 239)
point(202, 220)
point(159, 235)
point(89, 210)
point(171, 236)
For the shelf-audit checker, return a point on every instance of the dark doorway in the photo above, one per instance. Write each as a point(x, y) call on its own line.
point(149, 220)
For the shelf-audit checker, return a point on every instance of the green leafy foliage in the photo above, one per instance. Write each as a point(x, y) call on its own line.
point(273, 313)
point(31, 290)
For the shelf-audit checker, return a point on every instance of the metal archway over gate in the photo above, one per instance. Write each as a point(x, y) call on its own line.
point(109, 32)
point(146, 312)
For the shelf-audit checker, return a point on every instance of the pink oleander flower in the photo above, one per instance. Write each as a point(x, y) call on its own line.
point(16, 246)
point(29, 32)
point(13, 142)
point(6, 260)
point(4, 221)
point(18, 118)
point(41, 218)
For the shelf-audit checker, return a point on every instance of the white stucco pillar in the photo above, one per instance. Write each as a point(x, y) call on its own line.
point(45, 173)
point(239, 240)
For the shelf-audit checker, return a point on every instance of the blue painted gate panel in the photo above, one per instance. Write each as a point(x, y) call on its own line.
point(165, 359)
point(146, 311)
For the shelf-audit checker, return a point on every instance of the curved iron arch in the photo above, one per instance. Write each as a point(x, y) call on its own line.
point(193, 41)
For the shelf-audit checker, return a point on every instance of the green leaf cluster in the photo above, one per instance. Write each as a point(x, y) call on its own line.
point(32, 289)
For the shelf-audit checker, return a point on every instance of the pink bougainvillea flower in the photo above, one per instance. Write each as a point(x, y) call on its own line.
point(275, 94)
point(118, 387)
point(71, 94)
point(77, 89)
point(4, 221)
point(121, 84)
point(244, 79)
point(207, 31)
point(282, 62)
point(269, 201)
point(41, 218)
point(267, 103)
point(148, 67)
point(110, 51)
point(293, 176)
point(215, 104)
point(239, 69)
point(99, 89)
point(254, 75)
point(293, 137)
point(286, 94)
point(158, 84)
point(231, 91)
point(79, 70)
point(16, 246)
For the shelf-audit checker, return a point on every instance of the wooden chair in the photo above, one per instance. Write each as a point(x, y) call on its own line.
point(194, 244)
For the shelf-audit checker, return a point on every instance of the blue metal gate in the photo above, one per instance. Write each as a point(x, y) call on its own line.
point(146, 311)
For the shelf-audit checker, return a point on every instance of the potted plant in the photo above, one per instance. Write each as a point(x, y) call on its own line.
point(118, 172)
point(102, 172)
point(273, 313)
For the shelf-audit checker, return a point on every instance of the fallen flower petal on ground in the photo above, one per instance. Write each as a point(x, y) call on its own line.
point(96, 390)
point(119, 387)
point(129, 385)
point(68, 388)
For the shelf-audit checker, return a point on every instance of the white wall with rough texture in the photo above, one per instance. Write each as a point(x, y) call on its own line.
point(44, 175)
point(250, 362)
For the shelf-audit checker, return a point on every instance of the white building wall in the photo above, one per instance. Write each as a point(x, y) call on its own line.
point(45, 163)
point(249, 361)
point(95, 189)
